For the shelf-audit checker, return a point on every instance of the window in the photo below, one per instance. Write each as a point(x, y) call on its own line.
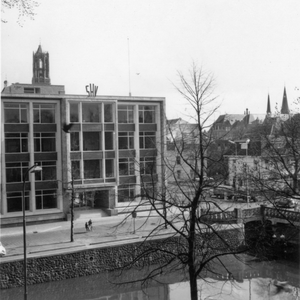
point(45, 199)
point(75, 165)
point(125, 114)
point(146, 114)
point(15, 171)
point(44, 142)
point(147, 165)
point(109, 140)
point(15, 113)
point(147, 140)
point(91, 112)
point(14, 201)
point(91, 141)
point(126, 140)
point(92, 168)
point(48, 171)
point(178, 174)
point(126, 166)
point(44, 113)
point(109, 168)
point(74, 114)
point(108, 113)
point(178, 160)
point(126, 193)
point(148, 191)
point(75, 143)
point(16, 142)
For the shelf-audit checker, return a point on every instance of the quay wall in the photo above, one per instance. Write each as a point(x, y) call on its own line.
point(100, 258)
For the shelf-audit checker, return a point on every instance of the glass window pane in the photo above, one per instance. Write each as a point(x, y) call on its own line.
point(14, 201)
point(36, 116)
point(92, 169)
point(11, 116)
point(74, 141)
point(109, 140)
point(109, 168)
point(91, 141)
point(48, 145)
point(108, 113)
point(47, 115)
point(74, 115)
point(91, 113)
point(24, 116)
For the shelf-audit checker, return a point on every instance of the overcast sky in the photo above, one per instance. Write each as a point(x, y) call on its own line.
point(251, 47)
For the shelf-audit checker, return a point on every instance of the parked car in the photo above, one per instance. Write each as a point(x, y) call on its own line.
point(285, 202)
point(243, 195)
point(2, 250)
point(223, 190)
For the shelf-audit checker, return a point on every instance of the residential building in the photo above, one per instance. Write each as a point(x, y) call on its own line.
point(106, 147)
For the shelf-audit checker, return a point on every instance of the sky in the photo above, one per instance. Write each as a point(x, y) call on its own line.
point(252, 48)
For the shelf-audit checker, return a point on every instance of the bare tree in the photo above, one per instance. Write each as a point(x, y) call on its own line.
point(26, 9)
point(193, 244)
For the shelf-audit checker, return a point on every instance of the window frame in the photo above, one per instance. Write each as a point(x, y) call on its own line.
point(21, 138)
point(39, 109)
point(21, 108)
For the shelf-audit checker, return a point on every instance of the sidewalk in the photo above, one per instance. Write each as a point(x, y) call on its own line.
point(54, 238)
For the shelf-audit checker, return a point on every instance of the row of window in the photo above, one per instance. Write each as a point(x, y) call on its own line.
point(91, 141)
point(16, 170)
point(18, 113)
point(90, 112)
point(91, 169)
point(47, 199)
point(44, 199)
point(18, 142)
point(45, 141)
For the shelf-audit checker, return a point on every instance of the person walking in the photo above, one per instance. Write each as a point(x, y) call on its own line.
point(90, 225)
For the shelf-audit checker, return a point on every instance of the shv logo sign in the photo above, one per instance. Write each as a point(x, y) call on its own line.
point(91, 90)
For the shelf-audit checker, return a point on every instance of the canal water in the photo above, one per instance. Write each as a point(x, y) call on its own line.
point(248, 279)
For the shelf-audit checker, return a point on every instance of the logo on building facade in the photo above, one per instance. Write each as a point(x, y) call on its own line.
point(91, 89)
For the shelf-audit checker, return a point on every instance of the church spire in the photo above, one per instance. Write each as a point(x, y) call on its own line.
point(268, 106)
point(284, 107)
point(41, 67)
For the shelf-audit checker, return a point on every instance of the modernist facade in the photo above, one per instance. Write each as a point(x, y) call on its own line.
point(107, 147)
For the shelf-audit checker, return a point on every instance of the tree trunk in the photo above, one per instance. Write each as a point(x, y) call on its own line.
point(193, 283)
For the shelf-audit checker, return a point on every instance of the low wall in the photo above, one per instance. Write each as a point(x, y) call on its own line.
point(94, 261)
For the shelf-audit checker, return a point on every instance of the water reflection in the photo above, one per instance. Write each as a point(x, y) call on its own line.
point(252, 280)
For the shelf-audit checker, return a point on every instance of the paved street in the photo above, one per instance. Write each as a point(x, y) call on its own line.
point(55, 237)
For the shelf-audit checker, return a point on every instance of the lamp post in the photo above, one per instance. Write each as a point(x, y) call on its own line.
point(247, 142)
point(33, 169)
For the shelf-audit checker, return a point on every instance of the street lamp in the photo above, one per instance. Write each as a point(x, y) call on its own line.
point(34, 169)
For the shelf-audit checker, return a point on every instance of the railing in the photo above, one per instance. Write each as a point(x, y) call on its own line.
point(239, 215)
point(282, 214)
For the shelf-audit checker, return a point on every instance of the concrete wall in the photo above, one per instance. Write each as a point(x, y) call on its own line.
point(93, 261)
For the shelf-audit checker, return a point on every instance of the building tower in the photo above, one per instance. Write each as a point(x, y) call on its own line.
point(285, 107)
point(269, 107)
point(41, 67)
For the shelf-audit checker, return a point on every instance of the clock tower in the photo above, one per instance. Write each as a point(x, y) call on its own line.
point(41, 67)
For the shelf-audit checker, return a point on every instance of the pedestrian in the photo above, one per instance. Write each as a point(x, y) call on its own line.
point(86, 226)
point(90, 225)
